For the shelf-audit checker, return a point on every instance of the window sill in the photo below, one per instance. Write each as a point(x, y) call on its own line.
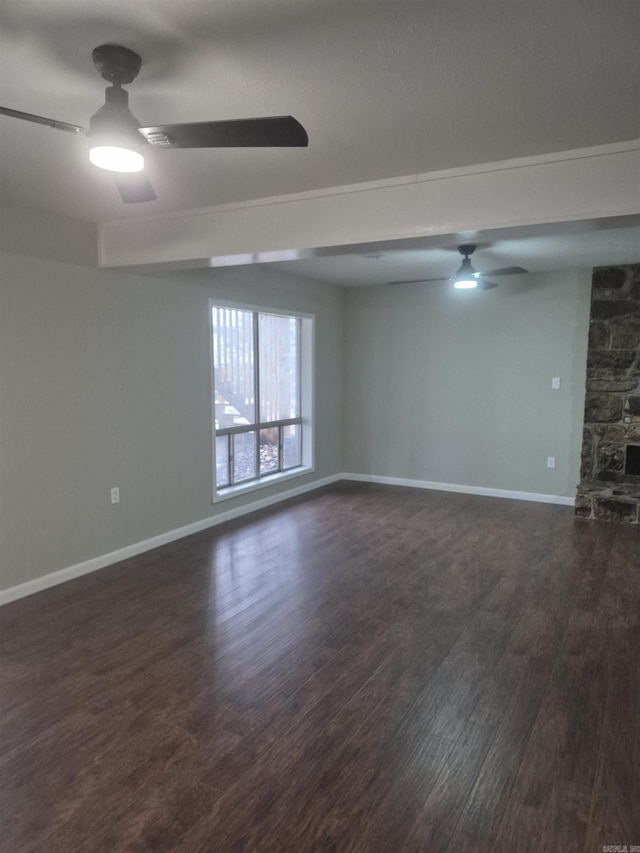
point(262, 483)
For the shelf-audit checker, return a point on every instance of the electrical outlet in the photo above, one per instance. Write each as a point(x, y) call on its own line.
point(115, 495)
point(551, 461)
point(555, 383)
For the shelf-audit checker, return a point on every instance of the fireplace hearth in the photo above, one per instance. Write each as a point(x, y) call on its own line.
point(609, 487)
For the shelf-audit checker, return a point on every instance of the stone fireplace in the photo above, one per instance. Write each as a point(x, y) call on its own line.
point(610, 474)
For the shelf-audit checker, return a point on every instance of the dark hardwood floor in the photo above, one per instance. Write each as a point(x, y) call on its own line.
point(368, 669)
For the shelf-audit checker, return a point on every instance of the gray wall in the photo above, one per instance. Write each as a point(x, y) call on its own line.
point(105, 381)
point(455, 386)
point(38, 234)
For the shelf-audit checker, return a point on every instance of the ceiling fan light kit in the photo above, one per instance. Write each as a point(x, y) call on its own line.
point(466, 277)
point(117, 141)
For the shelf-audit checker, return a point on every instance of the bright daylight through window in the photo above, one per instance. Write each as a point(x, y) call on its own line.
point(259, 423)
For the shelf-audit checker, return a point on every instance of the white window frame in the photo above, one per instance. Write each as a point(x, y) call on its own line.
point(307, 397)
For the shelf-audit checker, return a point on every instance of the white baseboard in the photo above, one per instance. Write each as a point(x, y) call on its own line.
point(467, 490)
point(96, 563)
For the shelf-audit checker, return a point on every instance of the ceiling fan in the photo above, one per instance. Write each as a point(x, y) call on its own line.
point(118, 141)
point(466, 277)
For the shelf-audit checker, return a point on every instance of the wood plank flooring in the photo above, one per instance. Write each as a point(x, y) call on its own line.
point(365, 669)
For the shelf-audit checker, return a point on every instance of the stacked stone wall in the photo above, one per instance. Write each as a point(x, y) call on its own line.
point(612, 402)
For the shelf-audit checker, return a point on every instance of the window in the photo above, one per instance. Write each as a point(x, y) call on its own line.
point(261, 406)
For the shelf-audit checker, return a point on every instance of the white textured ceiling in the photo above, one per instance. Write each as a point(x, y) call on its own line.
point(383, 88)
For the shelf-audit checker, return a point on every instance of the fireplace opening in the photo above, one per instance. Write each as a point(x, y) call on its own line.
point(632, 464)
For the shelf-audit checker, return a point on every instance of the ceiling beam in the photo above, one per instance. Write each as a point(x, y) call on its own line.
point(591, 184)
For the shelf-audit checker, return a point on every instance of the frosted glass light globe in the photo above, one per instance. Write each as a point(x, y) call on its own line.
point(116, 159)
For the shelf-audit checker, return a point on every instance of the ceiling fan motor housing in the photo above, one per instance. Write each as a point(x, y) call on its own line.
point(116, 64)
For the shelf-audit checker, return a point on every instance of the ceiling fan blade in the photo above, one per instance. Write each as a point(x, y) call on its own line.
point(505, 271)
point(134, 188)
point(418, 280)
point(484, 284)
point(238, 133)
point(49, 122)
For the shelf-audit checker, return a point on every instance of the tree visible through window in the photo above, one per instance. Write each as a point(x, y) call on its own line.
point(257, 417)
